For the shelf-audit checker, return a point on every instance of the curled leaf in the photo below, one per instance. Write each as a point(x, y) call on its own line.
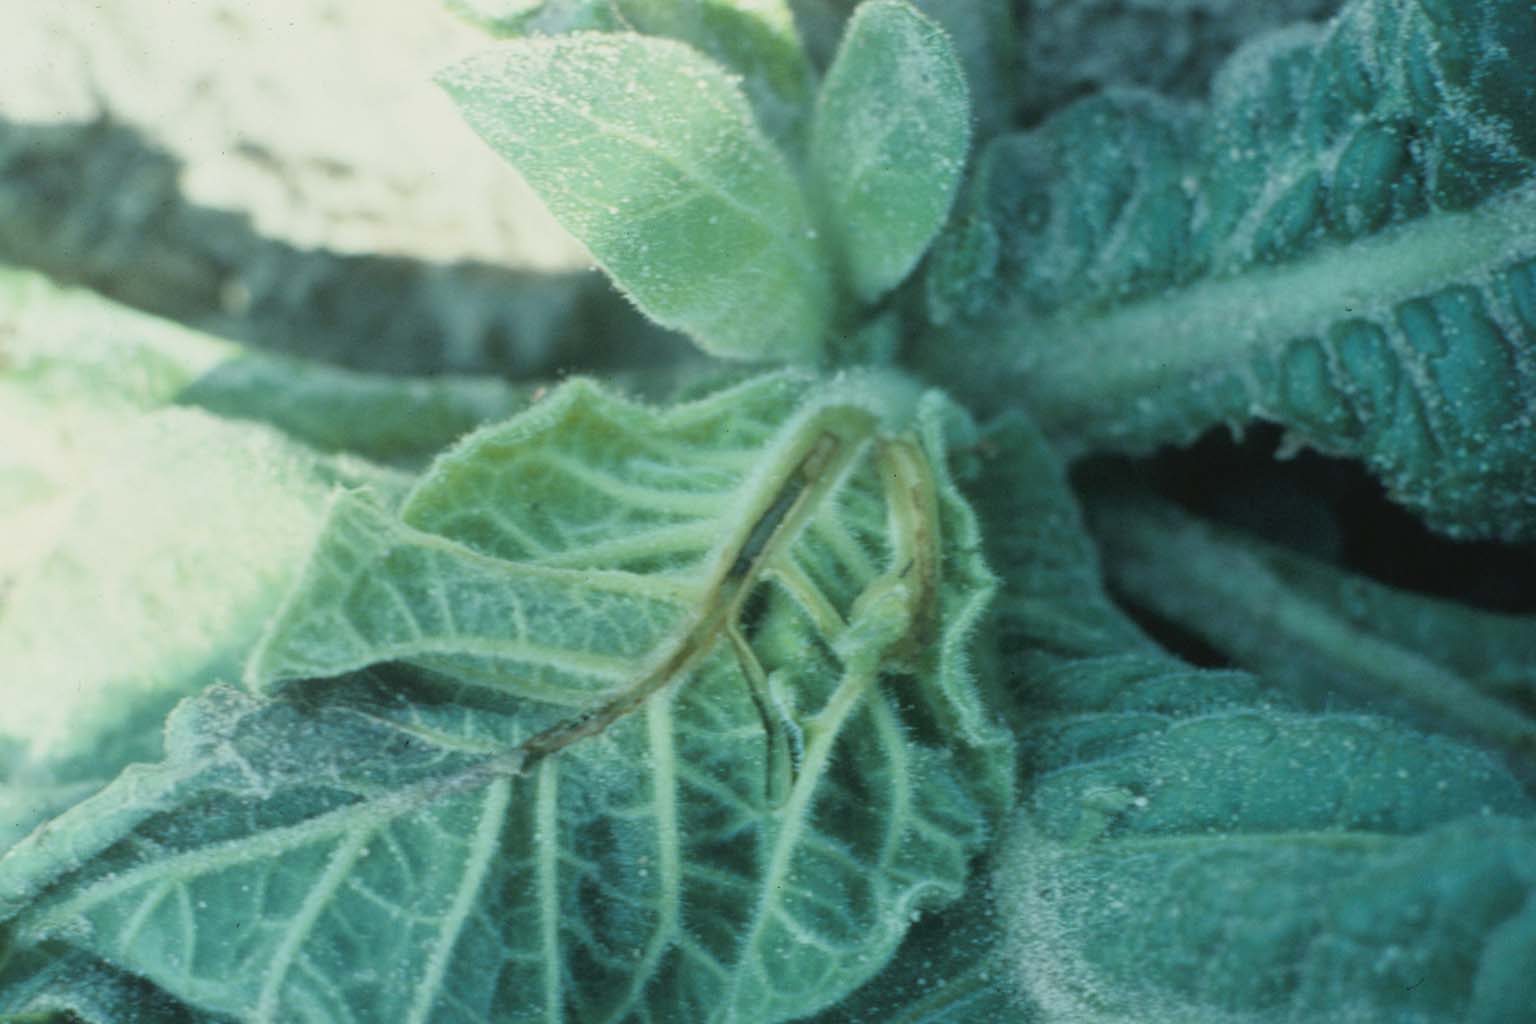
point(697, 741)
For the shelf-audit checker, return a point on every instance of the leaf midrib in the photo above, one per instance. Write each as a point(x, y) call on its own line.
point(368, 812)
point(1075, 365)
point(798, 254)
point(1362, 840)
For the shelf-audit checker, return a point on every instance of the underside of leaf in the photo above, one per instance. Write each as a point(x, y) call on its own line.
point(708, 775)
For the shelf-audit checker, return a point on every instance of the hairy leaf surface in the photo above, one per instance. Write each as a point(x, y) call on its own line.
point(986, 39)
point(1323, 633)
point(1192, 847)
point(982, 32)
point(1343, 242)
point(888, 141)
point(51, 984)
point(1276, 867)
point(949, 971)
point(708, 773)
point(757, 39)
point(648, 152)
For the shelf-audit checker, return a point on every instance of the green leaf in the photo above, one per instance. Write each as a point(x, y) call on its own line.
point(1343, 242)
point(949, 971)
point(982, 32)
point(721, 747)
point(647, 152)
point(985, 40)
point(1324, 633)
point(378, 416)
point(756, 39)
point(75, 350)
point(1080, 49)
point(888, 141)
point(1074, 672)
point(636, 876)
point(52, 984)
point(1192, 848)
point(1263, 866)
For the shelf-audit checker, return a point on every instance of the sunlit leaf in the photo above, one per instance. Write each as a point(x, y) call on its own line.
point(648, 152)
point(756, 39)
point(888, 141)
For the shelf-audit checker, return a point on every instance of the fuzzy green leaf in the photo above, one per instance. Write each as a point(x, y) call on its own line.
point(756, 39)
point(1325, 634)
point(949, 971)
point(738, 821)
point(1191, 848)
point(648, 152)
point(888, 141)
point(52, 984)
point(1274, 867)
point(1343, 242)
point(985, 39)
point(392, 419)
